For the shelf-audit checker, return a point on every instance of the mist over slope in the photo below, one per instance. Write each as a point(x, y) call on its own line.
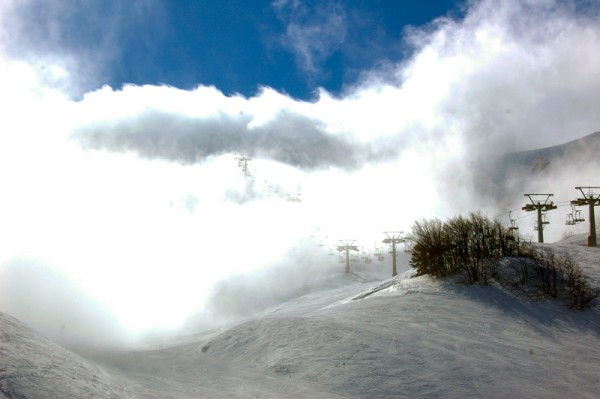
point(557, 169)
point(359, 337)
point(49, 302)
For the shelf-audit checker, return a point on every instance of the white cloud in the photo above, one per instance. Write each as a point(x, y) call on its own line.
point(144, 217)
point(142, 124)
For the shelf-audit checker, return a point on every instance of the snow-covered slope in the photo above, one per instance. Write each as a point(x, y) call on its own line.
point(425, 338)
point(33, 367)
point(582, 150)
point(362, 337)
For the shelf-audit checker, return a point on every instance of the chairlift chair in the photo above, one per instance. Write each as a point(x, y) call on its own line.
point(570, 220)
point(545, 219)
point(513, 222)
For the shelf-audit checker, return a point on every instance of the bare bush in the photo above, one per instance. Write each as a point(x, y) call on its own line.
point(466, 245)
point(473, 247)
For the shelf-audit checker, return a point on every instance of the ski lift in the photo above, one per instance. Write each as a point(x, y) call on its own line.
point(293, 197)
point(379, 253)
point(513, 223)
point(366, 256)
point(512, 231)
point(545, 219)
point(578, 216)
point(570, 219)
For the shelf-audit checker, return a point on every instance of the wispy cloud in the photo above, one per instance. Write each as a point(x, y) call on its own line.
point(312, 33)
point(54, 37)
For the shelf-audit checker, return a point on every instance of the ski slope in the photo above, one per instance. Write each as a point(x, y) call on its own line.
point(360, 336)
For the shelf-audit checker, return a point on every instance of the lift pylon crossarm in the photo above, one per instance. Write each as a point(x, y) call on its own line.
point(539, 201)
point(592, 192)
point(347, 247)
point(579, 202)
point(393, 240)
point(544, 207)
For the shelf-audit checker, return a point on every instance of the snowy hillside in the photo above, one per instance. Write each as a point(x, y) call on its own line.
point(557, 169)
point(364, 336)
point(33, 367)
point(582, 150)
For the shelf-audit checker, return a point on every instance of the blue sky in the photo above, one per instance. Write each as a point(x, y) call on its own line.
point(237, 46)
point(124, 121)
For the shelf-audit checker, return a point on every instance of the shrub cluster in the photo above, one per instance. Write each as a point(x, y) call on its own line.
point(461, 244)
point(473, 245)
point(555, 276)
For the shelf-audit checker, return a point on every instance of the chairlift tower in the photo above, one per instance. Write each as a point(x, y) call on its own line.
point(591, 197)
point(393, 238)
point(347, 246)
point(244, 164)
point(540, 204)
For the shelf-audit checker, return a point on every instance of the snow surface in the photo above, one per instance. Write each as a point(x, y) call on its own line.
point(362, 336)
